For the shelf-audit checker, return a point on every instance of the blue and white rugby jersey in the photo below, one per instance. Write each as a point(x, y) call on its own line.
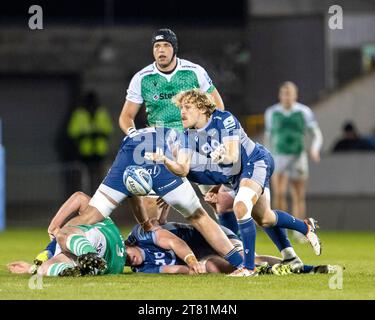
point(221, 127)
point(154, 257)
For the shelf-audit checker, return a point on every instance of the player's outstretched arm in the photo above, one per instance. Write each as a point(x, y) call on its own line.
point(77, 202)
point(127, 116)
point(176, 269)
point(217, 99)
point(167, 240)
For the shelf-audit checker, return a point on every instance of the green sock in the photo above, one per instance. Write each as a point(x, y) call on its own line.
point(56, 268)
point(79, 245)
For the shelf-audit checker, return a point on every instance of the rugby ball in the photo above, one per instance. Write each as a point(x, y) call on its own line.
point(137, 180)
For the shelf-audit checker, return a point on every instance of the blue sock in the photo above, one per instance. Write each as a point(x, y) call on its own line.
point(307, 269)
point(229, 220)
point(285, 220)
point(51, 248)
point(248, 234)
point(234, 258)
point(279, 237)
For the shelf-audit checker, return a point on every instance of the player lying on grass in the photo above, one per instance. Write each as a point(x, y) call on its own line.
point(70, 254)
point(79, 250)
point(216, 150)
point(93, 249)
point(146, 252)
point(171, 248)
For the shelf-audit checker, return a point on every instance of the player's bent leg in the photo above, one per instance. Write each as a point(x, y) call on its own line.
point(266, 217)
point(75, 241)
point(244, 201)
point(185, 201)
point(60, 265)
point(224, 207)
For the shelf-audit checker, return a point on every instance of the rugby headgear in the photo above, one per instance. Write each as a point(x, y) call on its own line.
point(166, 35)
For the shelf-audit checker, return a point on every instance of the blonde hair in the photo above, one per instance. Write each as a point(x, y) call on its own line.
point(200, 99)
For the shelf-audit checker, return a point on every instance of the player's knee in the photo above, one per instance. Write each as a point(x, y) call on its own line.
point(240, 209)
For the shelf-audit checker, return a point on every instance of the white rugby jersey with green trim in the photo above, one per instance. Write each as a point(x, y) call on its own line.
point(287, 128)
point(156, 90)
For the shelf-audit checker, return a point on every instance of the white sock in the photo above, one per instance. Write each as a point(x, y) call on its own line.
point(288, 253)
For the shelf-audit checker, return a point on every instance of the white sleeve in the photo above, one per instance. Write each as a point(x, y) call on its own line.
point(267, 140)
point(313, 125)
point(134, 93)
point(205, 82)
point(268, 119)
point(309, 118)
point(317, 141)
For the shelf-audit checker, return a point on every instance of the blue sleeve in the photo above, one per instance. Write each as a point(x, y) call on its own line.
point(148, 269)
point(139, 236)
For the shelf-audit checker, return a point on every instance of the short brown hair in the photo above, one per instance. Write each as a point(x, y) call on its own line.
point(200, 99)
point(287, 84)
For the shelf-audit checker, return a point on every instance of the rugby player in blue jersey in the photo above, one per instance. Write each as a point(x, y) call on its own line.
point(216, 150)
point(174, 190)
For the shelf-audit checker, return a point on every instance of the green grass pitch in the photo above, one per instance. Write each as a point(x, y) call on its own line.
point(355, 251)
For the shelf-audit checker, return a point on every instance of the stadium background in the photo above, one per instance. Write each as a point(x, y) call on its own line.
point(248, 49)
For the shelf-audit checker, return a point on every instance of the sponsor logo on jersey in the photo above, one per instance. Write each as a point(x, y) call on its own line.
point(164, 96)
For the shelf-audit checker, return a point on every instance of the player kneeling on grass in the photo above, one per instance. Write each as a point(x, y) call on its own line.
point(78, 250)
point(216, 150)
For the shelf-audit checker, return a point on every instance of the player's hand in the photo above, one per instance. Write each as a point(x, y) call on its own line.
point(52, 232)
point(19, 267)
point(218, 154)
point(155, 157)
point(315, 155)
point(165, 208)
point(211, 197)
point(197, 268)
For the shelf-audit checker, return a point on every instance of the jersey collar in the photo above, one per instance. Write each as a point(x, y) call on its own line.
point(208, 122)
point(291, 110)
point(169, 75)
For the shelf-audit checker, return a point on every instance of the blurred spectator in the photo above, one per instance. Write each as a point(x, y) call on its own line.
point(351, 140)
point(89, 129)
